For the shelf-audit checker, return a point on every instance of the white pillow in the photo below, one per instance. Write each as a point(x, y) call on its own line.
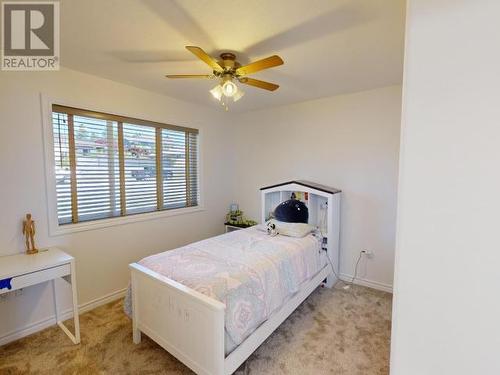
point(292, 229)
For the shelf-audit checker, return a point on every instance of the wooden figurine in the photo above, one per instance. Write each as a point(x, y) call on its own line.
point(29, 231)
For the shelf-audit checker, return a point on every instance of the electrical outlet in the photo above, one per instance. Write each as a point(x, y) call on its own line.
point(368, 253)
point(18, 292)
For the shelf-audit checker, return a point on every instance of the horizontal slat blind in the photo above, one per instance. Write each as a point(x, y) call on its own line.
point(116, 167)
point(193, 192)
point(174, 168)
point(62, 167)
point(97, 174)
point(139, 144)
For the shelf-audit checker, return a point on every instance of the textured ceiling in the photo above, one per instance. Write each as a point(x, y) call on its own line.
point(329, 47)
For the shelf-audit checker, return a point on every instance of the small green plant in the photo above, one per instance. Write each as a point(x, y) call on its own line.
point(237, 218)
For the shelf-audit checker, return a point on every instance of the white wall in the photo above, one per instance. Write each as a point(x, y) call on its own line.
point(350, 142)
point(447, 305)
point(101, 255)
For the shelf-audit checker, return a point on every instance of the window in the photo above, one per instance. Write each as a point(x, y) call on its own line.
point(109, 166)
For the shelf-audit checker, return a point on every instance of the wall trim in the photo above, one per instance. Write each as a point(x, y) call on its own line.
point(107, 298)
point(67, 314)
point(368, 283)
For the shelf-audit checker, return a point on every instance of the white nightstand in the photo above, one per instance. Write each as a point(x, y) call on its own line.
point(22, 270)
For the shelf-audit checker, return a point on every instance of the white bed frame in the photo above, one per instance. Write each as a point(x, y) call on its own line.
point(190, 325)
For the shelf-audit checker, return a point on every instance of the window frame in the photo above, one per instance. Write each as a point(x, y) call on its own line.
point(56, 229)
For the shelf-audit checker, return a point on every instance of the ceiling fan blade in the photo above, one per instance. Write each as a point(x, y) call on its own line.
point(256, 66)
point(202, 55)
point(189, 76)
point(260, 84)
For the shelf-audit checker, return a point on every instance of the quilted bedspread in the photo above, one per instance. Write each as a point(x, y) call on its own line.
point(252, 273)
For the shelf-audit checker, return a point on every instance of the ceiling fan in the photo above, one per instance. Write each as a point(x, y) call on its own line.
point(228, 70)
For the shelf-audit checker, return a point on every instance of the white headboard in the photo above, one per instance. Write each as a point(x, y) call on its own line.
point(323, 203)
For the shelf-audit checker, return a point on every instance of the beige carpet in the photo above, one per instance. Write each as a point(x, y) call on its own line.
point(332, 332)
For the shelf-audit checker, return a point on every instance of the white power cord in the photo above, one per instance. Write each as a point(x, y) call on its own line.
point(320, 226)
point(356, 267)
point(349, 284)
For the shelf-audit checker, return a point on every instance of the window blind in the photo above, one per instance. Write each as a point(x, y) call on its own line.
point(109, 166)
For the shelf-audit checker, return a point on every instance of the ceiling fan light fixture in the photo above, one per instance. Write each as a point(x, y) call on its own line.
point(229, 88)
point(238, 94)
point(228, 71)
point(217, 92)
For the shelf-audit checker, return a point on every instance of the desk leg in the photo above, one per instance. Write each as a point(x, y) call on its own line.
point(76, 337)
point(54, 292)
point(76, 316)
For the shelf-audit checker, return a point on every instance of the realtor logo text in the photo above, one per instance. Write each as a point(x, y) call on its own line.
point(30, 35)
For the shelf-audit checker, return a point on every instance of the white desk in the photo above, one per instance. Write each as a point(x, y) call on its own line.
point(22, 270)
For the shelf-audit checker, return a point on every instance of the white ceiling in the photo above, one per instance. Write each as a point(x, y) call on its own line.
point(329, 46)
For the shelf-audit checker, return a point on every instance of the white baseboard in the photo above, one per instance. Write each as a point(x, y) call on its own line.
point(50, 321)
point(368, 283)
point(91, 305)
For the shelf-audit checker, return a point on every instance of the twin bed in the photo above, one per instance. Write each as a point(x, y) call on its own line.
point(213, 302)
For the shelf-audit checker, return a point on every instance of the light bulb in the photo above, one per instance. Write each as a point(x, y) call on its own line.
point(229, 88)
point(217, 92)
point(238, 95)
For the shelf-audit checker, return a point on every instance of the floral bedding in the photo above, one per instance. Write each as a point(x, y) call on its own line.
point(252, 273)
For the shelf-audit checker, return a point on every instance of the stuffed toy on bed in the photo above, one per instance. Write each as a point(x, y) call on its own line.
point(271, 229)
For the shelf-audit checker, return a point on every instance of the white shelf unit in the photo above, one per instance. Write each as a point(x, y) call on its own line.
point(323, 203)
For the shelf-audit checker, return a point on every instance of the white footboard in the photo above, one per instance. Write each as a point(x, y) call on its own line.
point(188, 324)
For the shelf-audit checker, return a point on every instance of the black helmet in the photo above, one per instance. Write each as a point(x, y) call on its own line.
point(292, 211)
